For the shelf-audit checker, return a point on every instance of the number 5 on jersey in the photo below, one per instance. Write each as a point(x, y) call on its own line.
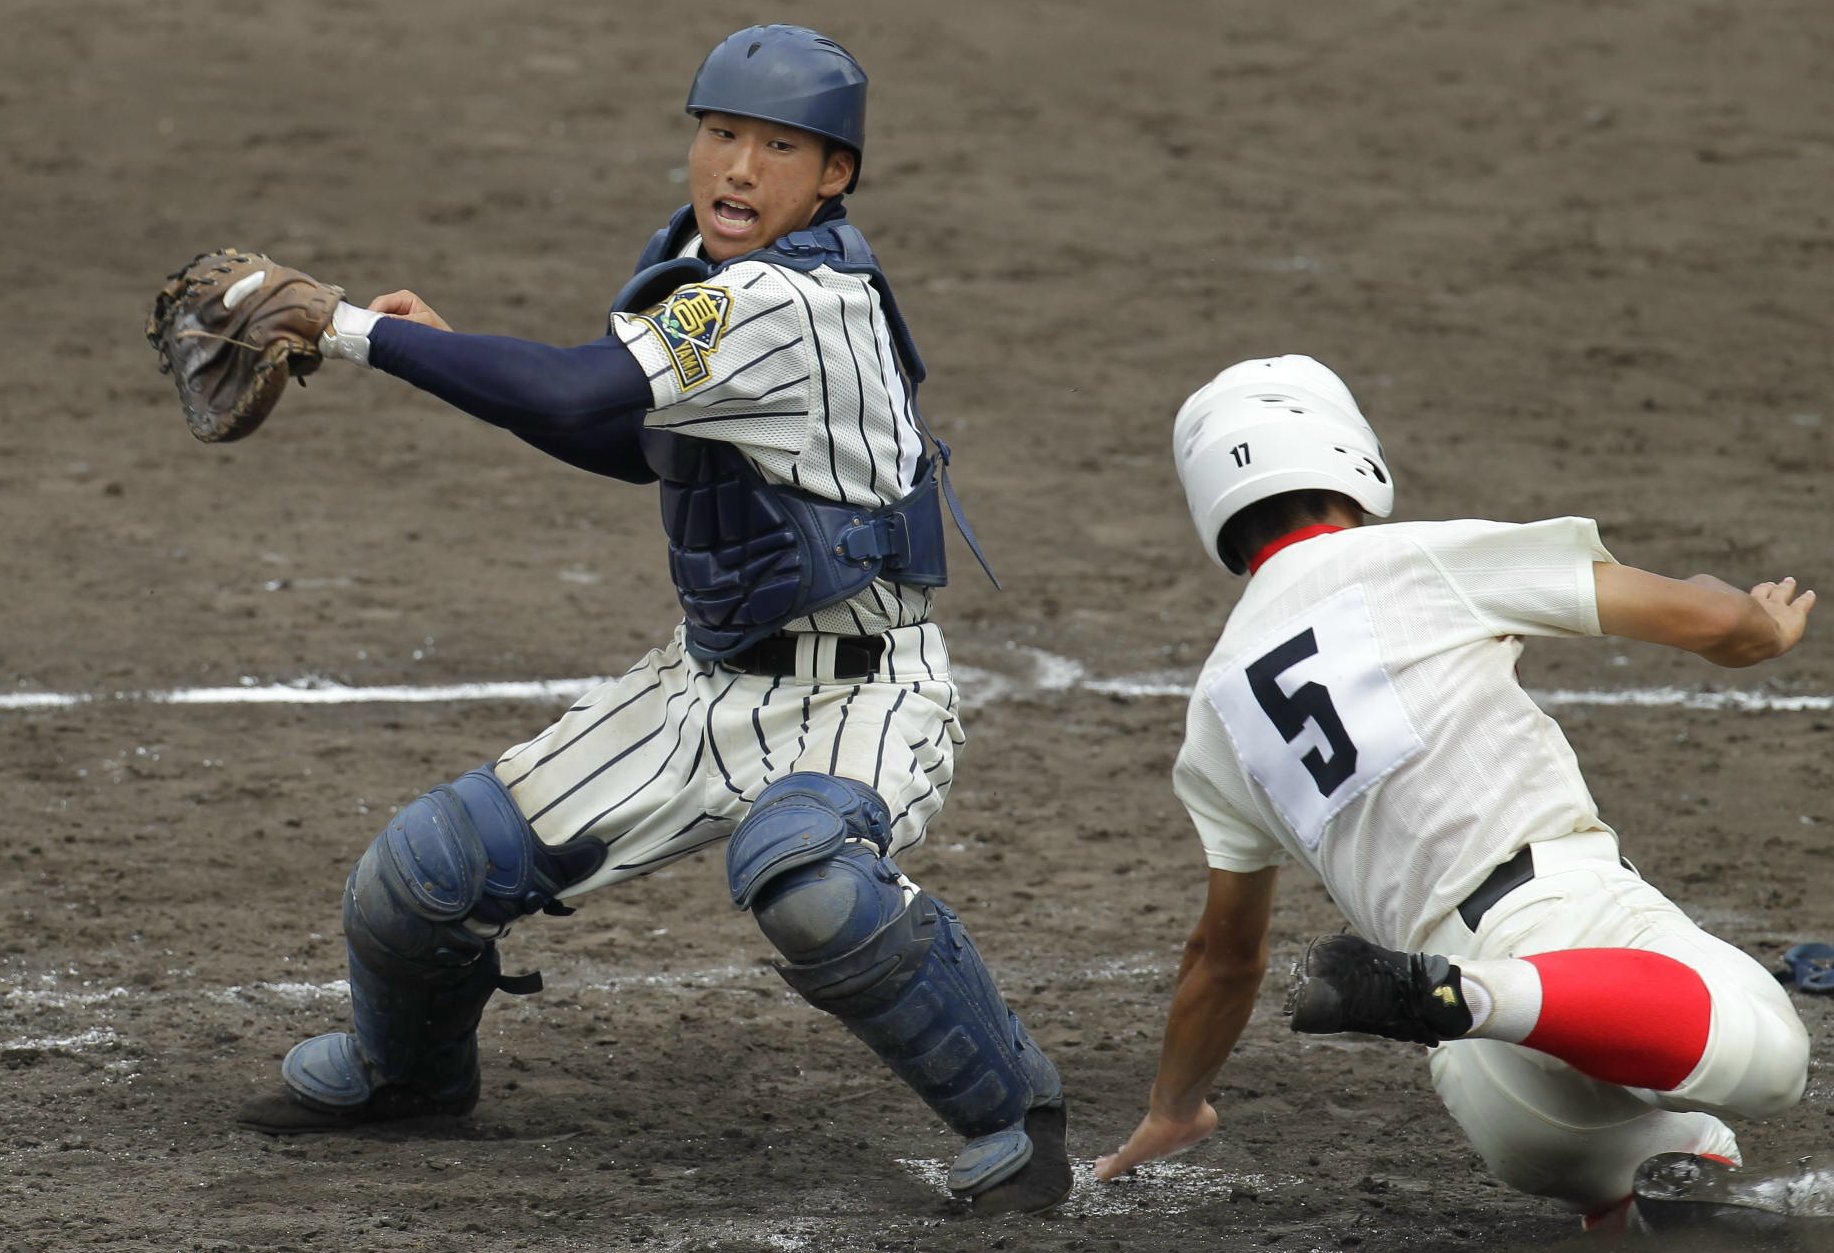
point(1313, 714)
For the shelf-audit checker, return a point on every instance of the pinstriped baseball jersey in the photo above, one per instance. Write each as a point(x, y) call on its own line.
point(666, 759)
point(797, 371)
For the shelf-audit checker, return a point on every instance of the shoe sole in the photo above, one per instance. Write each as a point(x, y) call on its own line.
point(1312, 1006)
point(1316, 1006)
point(1680, 1190)
point(324, 1122)
point(283, 1113)
point(1043, 1182)
point(300, 1126)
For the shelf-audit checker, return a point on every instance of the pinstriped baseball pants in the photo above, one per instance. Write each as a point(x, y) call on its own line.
point(667, 758)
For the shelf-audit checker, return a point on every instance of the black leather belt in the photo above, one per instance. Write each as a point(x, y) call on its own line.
point(1506, 878)
point(855, 656)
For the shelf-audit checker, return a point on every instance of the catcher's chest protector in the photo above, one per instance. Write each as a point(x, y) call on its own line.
point(748, 556)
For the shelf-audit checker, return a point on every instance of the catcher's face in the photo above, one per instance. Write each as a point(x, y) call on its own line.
point(753, 181)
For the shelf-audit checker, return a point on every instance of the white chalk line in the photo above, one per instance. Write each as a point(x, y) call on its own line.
point(40, 995)
point(1048, 672)
point(312, 691)
point(1169, 1187)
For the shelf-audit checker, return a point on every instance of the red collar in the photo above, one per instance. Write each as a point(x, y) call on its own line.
point(1289, 539)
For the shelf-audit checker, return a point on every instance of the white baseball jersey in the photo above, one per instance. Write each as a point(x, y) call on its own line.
point(797, 371)
point(1361, 713)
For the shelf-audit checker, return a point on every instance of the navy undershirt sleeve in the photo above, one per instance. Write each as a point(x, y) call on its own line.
point(584, 405)
point(613, 451)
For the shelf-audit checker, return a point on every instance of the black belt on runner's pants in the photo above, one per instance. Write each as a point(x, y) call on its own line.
point(855, 656)
point(1506, 878)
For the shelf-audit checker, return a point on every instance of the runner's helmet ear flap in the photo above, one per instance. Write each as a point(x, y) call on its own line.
point(1273, 425)
point(787, 74)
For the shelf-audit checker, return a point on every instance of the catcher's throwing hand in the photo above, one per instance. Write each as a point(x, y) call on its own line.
point(231, 328)
point(405, 304)
point(1158, 1135)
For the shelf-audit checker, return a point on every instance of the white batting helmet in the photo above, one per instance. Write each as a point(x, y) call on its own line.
point(1273, 425)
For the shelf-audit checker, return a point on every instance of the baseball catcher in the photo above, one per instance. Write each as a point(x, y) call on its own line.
point(231, 328)
point(756, 368)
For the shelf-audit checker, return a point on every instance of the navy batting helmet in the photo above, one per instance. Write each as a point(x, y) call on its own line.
point(787, 74)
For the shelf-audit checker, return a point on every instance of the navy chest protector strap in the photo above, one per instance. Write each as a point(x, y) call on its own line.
point(748, 556)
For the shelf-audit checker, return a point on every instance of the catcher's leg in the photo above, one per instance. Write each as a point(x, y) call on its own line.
point(423, 910)
point(895, 965)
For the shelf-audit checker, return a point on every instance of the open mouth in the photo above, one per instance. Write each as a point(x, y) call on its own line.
point(734, 215)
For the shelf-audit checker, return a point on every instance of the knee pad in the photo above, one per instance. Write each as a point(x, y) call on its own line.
point(422, 913)
point(800, 819)
point(823, 909)
point(449, 874)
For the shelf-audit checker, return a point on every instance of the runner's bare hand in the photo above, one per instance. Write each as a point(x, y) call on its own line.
point(1158, 1135)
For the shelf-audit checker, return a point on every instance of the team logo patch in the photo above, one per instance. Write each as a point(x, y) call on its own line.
point(689, 324)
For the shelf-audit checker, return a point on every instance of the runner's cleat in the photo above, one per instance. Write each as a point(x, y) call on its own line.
point(1682, 1191)
point(1348, 984)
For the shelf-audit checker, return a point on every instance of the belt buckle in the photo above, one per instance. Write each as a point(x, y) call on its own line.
point(873, 646)
point(765, 657)
point(856, 657)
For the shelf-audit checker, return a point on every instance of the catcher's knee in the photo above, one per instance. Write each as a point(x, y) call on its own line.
point(826, 908)
point(799, 820)
point(808, 862)
point(451, 872)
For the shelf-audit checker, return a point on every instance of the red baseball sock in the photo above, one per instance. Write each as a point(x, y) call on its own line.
point(1622, 1015)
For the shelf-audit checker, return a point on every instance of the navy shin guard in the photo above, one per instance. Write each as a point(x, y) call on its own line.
point(422, 912)
point(901, 974)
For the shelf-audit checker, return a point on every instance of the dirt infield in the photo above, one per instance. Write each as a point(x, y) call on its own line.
point(1574, 257)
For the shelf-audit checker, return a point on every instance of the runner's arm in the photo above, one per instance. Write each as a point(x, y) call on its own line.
point(1702, 614)
point(1218, 978)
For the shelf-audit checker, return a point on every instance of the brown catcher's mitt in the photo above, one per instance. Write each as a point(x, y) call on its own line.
point(231, 328)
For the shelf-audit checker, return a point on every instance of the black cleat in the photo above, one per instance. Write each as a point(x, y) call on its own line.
point(1042, 1182)
point(284, 1112)
point(1348, 984)
point(1684, 1191)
